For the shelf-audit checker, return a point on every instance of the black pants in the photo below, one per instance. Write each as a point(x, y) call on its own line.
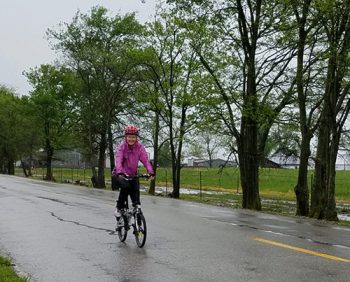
point(128, 187)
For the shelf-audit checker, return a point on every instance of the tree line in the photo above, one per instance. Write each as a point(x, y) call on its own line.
point(262, 76)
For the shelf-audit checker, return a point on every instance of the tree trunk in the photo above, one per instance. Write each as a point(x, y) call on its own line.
point(24, 169)
point(2, 167)
point(49, 155)
point(177, 178)
point(152, 186)
point(92, 152)
point(249, 166)
point(11, 167)
point(336, 94)
point(176, 185)
point(319, 188)
point(301, 189)
point(248, 139)
point(30, 173)
point(100, 181)
point(323, 190)
point(330, 209)
point(94, 177)
point(111, 158)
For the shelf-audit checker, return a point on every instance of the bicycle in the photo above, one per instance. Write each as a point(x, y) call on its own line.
point(132, 218)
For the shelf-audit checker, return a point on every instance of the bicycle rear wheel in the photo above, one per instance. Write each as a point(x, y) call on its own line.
point(140, 231)
point(122, 229)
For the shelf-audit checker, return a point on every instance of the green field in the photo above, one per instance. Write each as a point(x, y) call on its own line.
point(273, 182)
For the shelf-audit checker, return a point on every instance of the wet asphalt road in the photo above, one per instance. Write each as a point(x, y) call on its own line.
point(58, 232)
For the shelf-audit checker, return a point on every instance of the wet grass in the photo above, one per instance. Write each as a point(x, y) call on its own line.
point(233, 200)
point(271, 181)
point(7, 272)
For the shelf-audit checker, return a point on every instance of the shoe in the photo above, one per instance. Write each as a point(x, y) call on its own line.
point(120, 222)
point(136, 208)
point(119, 225)
point(117, 214)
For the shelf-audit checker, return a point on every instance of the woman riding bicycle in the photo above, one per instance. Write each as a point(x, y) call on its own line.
point(128, 155)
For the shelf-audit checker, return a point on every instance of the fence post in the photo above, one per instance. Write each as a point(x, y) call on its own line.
point(72, 175)
point(237, 182)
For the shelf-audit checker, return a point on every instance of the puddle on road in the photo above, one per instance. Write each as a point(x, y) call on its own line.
point(186, 191)
point(345, 217)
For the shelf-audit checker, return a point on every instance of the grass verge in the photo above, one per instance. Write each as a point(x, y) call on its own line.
point(7, 272)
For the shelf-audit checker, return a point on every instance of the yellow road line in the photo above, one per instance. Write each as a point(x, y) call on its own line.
point(300, 249)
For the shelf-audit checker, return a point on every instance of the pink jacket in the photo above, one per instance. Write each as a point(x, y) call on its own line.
point(127, 159)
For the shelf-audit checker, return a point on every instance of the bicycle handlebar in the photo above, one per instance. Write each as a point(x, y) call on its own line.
point(129, 177)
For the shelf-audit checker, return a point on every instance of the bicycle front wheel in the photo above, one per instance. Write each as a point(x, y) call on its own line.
point(122, 229)
point(140, 231)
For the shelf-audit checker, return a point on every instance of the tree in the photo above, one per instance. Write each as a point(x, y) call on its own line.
point(164, 158)
point(204, 143)
point(238, 44)
point(196, 148)
point(99, 48)
point(54, 88)
point(147, 100)
point(9, 129)
point(30, 136)
point(334, 17)
point(175, 69)
point(20, 134)
point(212, 145)
point(303, 33)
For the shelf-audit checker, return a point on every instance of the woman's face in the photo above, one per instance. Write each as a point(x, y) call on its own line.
point(131, 139)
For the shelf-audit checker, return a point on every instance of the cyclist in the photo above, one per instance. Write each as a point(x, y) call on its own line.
point(130, 151)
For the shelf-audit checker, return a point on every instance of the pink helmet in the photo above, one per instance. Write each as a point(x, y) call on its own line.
point(131, 130)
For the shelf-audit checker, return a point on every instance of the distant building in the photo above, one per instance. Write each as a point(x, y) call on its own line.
point(61, 158)
point(284, 161)
point(192, 162)
point(69, 158)
point(267, 163)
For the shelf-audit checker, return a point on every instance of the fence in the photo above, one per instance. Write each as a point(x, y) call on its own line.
point(204, 179)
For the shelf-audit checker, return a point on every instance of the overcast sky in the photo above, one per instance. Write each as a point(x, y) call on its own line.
point(23, 24)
